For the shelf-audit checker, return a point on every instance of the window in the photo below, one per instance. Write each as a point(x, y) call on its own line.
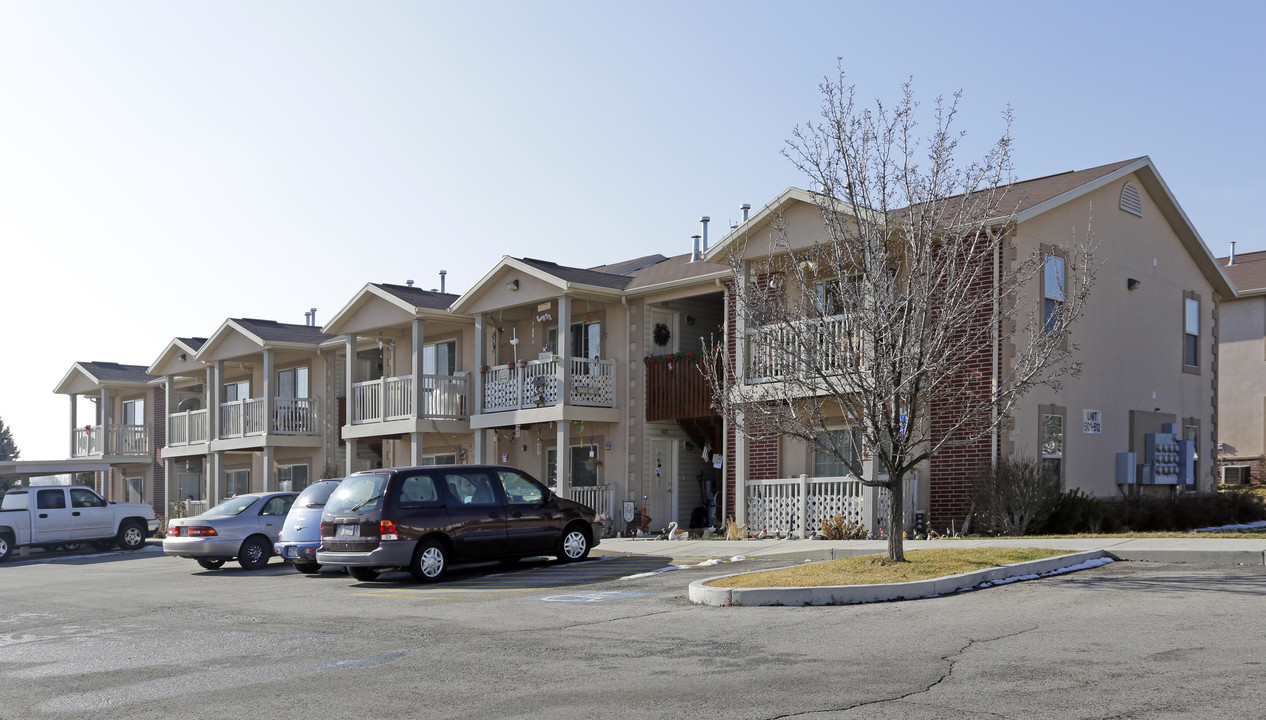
point(235, 391)
point(1052, 291)
point(1052, 444)
point(471, 488)
point(584, 467)
point(292, 478)
point(278, 505)
point(439, 459)
point(292, 382)
point(134, 412)
point(50, 500)
point(440, 358)
point(827, 464)
point(82, 498)
point(1191, 332)
point(521, 490)
point(134, 490)
point(586, 340)
point(420, 491)
point(237, 482)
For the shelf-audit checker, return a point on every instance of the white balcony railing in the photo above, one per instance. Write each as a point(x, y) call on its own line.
point(291, 416)
point(535, 384)
point(788, 350)
point(599, 497)
point(799, 505)
point(187, 428)
point(391, 398)
point(123, 440)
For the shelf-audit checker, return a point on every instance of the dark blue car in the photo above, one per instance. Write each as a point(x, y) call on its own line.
point(301, 533)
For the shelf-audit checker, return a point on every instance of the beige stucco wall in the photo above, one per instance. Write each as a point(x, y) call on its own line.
point(1131, 342)
point(1242, 377)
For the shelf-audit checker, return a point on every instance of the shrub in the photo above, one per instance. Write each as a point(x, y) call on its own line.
point(1014, 497)
point(1074, 512)
point(837, 528)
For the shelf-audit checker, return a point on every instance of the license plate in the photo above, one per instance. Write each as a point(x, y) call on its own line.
point(348, 531)
point(292, 552)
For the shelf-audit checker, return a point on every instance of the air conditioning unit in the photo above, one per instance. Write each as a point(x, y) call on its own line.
point(1235, 474)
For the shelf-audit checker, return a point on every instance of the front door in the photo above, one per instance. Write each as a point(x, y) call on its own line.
point(663, 328)
point(662, 502)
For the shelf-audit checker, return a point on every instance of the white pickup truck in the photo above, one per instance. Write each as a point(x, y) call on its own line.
point(52, 516)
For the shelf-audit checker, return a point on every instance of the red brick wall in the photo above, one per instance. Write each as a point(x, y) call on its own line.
point(158, 439)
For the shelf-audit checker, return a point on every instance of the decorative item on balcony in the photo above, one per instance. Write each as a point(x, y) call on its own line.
point(483, 368)
point(661, 334)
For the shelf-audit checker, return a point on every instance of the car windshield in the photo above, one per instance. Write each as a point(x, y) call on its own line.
point(316, 495)
point(233, 506)
point(358, 493)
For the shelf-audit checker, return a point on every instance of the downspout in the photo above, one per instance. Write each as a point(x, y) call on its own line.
point(996, 352)
point(628, 399)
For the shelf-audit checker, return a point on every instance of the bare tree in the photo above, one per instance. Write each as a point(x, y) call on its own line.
point(888, 322)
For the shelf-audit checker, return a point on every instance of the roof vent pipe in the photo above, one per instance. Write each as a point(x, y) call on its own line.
point(1231, 261)
point(408, 283)
point(746, 208)
point(443, 273)
point(694, 256)
point(313, 321)
point(705, 220)
point(307, 318)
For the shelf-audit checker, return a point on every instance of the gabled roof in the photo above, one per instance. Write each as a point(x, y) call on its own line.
point(579, 276)
point(566, 279)
point(1248, 273)
point(104, 374)
point(410, 300)
point(1039, 195)
point(178, 346)
point(266, 334)
point(628, 267)
point(677, 270)
point(417, 297)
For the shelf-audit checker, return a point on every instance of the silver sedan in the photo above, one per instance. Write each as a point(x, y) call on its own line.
point(242, 527)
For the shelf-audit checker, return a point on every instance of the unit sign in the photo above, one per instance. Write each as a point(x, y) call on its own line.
point(1092, 422)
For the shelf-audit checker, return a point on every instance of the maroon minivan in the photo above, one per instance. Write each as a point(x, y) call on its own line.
point(423, 519)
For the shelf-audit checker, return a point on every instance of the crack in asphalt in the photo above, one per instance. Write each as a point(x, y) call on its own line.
point(950, 658)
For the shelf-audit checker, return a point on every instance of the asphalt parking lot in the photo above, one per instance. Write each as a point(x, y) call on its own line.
point(142, 635)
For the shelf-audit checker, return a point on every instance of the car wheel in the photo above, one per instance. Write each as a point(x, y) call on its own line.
point(210, 564)
point(71, 546)
point(131, 537)
point(307, 568)
point(430, 561)
point(574, 545)
point(6, 547)
point(364, 574)
point(254, 554)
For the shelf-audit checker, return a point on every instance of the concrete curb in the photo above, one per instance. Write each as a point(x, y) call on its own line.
point(702, 594)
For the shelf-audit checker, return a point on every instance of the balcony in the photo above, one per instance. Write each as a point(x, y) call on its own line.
point(123, 440)
point(187, 428)
point(676, 388)
point(247, 418)
point(789, 350)
point(391, 398)
point(535, 384)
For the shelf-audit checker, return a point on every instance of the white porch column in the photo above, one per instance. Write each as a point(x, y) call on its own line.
point(563, 466)
point(742, 469)
point(477, 378)
point(415, 449)
point(215, 478)
point(564, 360)
point(349, 394)
point(349, 461)
point(74, 421)
point(167, 412)
point(170, 487)
point(104, 406)
point(216, 373)
point(270, 469)
point(270, 390)
point(416, 367)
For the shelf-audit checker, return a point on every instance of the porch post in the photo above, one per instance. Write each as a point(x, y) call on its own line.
point(169, 487)
point(477, 377)
point(563, 464)
point(216, 373)
point(105, 423)
point(803, 515)
point(215, 478)
point(74, 421)
point(415, 449)
point(270, 470)
point(167, 412)
point(270, 390)
point(349, 379)
point(564, 361)
point(349, 461)
point(419, 408)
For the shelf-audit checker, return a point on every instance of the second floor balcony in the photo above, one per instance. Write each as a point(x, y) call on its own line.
point(536, 383)
point(444, 397)
point(249, 417)
point(188, 428)
point(799, 349)
point(114, 439)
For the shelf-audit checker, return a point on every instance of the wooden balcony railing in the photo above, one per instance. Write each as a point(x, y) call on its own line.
point(676, 387)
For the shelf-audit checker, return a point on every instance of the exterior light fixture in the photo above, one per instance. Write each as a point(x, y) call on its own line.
point(513, 285)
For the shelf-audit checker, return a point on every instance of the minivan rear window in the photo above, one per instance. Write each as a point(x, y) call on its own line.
point(356, 494)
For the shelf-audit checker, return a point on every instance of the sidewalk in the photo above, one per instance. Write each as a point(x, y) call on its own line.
point(1207, 551)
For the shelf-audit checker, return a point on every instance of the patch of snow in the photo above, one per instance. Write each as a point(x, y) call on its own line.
point(1259, 525)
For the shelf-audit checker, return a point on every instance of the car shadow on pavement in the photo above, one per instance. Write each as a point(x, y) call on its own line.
point(530, 573)
point(82, 556)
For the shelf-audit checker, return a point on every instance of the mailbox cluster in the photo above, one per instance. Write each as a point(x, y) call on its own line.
point(1167, 460)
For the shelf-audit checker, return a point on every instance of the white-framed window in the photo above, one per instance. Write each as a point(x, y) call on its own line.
point(134, 412)
point(237, 482)
point(826, 463)
point(440, 358)
point(240, 390)
point(586, 340)
point(439, 459)
point(1191, 332)
point(584, 468)
point(292, 382)
point(292, 478)
point(1053, 284)
point(1051, 439)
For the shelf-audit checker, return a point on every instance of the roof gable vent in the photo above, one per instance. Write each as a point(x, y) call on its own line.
point(1131, 202)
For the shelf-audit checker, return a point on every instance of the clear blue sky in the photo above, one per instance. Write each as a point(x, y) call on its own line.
point(164, 166)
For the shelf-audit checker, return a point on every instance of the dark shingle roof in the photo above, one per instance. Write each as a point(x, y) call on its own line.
point(419, 297)
point(193, 342)
point(674, 268)
point(630, 266)
point(579, 275)
point(109, 372)
point(273, 331)
point(1248, 274)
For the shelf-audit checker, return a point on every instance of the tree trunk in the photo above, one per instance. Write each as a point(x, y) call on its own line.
point(896, 518)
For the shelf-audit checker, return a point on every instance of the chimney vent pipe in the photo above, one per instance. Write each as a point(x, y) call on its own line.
point(694, 256)
point(1231, 260)
point(745, 207)
point(443, 274)
point(313, 322)
point(705, 220)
